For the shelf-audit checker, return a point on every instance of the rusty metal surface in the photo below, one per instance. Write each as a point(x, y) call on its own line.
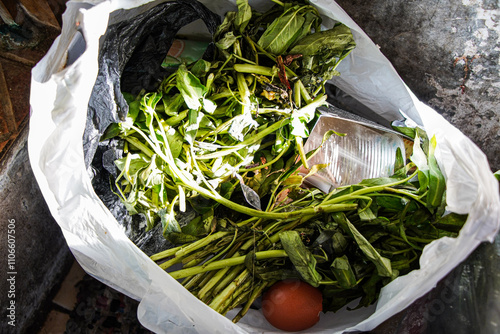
point(27, 30)
point(8, 126)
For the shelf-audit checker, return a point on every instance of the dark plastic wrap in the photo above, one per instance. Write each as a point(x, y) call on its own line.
point(130, 60)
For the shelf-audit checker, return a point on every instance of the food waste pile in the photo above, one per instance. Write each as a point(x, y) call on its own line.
point(213, 161)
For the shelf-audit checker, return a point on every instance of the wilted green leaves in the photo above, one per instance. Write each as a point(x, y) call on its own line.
point(212, 155)
point(302, 259)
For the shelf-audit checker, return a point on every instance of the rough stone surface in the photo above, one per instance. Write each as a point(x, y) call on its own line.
point(448, 54)
point(41, 254)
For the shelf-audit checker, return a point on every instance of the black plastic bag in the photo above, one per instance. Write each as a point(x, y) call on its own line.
point(130, 59)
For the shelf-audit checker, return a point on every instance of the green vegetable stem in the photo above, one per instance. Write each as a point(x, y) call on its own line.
point(349, 254)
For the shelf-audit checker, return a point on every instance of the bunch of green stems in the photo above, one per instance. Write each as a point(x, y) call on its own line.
point(232, 266)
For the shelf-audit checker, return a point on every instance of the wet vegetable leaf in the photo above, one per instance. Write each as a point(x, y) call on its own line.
point(437, 182)
point(225, 26)
point(418, 157)
point(399, 164)
point(226, 42)
point(243, 15)
point(301, 117)
point(199, 225)
point(190, 87)
point(379, 181)
point(390, 202)
point(302, 259)
point(168, 222)
point(175, 140)
point(180, 238)
point(193, 125)
point(343, 272)
point(310, 24)
point(151, 175)
point(365, 211)
point(418, 217)
point(410, 132)
point(132, 163)
point(339, 243)
point(383, 264)
point(371, 291)
point(282, 32)
point(111, 131)
point(335, 42)
point(451, 222)
point(423, 180)
point(201, 68)
point(172, 104)
point(337, 298)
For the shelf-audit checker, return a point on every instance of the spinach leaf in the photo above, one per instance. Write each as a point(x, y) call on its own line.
point(451, 222)
point(343, 272)
point(226, 42)
point(282, 32)
point(383, 264)
point(172, 104)
point(190, 87)
point(302, 259)
point(168, 222)
point(333, 42)
point(243, 15)
point(437, 182)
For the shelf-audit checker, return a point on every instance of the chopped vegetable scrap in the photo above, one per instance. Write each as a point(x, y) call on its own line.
point(212, 155)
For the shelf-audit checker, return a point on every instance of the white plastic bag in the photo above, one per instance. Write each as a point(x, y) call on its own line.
point(60, 93)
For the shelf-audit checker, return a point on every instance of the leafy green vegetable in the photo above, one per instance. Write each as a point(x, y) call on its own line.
point(303, 261)
point(322, 52)
point(410, 132)
point(169, 222)
point(282, 32)
point(343, 272)
point(383, 264)
point(209, 120)
point(333, 42)
point(339, 251)
point(243, 15)
point(213, 156)
point(436, 179)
